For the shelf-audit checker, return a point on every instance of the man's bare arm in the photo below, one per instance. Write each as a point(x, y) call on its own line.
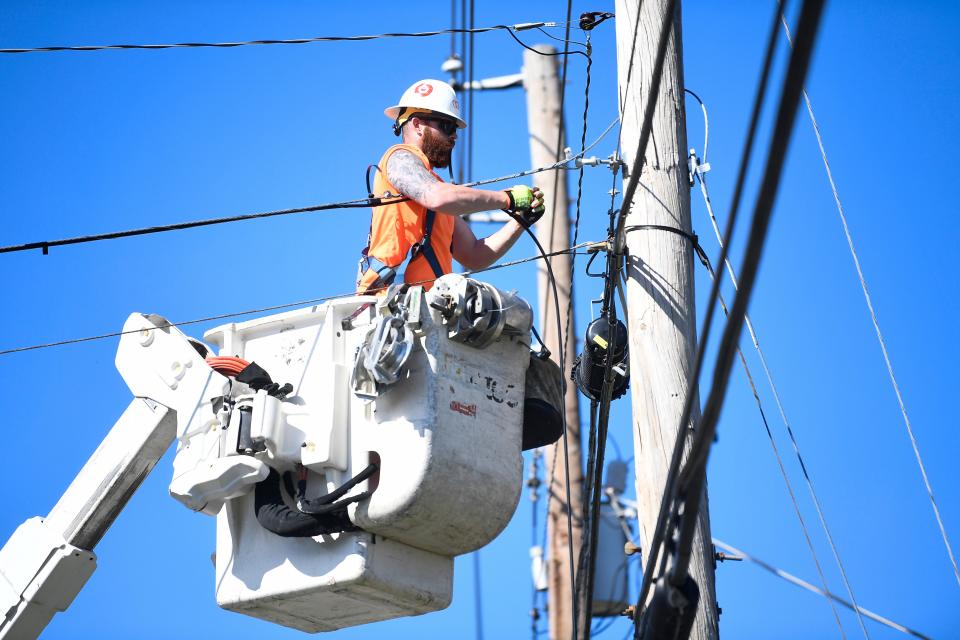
point(479, 254)
point(406, 172)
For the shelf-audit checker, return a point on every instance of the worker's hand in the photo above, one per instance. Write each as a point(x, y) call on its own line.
point(526, 204)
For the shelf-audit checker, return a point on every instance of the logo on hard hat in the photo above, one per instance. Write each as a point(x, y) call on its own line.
point(424, 89)
point(456, 105)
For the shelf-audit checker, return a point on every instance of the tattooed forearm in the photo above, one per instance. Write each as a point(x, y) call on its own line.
point(406, 172)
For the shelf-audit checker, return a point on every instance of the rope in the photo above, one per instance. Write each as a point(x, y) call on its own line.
point(821, 592)
point(300, 303)
point(876, 326)
point(194, 45)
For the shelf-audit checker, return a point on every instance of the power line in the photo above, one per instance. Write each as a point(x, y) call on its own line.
point(599, 424)
point(45, 245)
point(692, 473)
point(523, 26)
point(653, 550)
point(566, 53)
point(683, 492)
point(300, 303)
point(822, 592)
point(576, 226)
point(876, 325)
point(763, 361)
point(779, 459)
point(553, 37)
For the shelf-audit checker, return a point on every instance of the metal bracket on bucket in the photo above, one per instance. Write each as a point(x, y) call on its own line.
point(389, 343)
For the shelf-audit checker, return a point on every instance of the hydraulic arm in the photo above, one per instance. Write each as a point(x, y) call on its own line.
point(48, 560)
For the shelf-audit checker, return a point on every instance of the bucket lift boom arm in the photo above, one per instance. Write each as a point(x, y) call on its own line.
point(47, 561)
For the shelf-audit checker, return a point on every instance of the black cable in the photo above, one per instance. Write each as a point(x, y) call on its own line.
point(702, 178)
point(690, 482)
point(585, 504)
point(809, 21)
point(576, 224)
point(350, 204)
point(583, 142)
point(566, 53)
point(553, 37)
point(560, 337)
point(602, 407)
point(563, 414)
point(656, 541)
point(692, 237)
point(193, 45)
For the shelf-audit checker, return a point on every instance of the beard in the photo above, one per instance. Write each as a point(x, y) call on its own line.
point(437, 149)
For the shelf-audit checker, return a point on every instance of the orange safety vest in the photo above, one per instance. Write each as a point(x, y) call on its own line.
point(401, 229)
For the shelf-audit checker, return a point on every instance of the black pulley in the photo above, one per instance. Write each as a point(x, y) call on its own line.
point(589, 368)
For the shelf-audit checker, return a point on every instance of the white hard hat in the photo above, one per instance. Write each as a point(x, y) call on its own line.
point(428, 95)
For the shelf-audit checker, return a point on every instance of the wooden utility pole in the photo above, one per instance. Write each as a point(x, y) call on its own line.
point(542, 85)
point(662, 318)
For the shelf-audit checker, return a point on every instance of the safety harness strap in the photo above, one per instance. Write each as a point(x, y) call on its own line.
point(425, 247)
point(386, 274)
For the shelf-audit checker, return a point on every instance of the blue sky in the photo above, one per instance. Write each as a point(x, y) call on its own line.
point(95, 142)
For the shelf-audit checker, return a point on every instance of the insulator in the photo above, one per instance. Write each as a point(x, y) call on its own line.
point(589, 369)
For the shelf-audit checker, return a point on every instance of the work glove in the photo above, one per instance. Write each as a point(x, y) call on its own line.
point(526, 204)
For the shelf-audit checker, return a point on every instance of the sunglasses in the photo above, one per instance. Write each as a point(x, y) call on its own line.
point(448, 127)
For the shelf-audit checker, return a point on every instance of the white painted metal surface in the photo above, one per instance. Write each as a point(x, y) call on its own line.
point(40, 574)
point(47, 561)
point(441, 418)
point(323, 583)
point(446, 435)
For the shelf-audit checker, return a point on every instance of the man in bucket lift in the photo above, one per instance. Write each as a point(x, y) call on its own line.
point(427, 231)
